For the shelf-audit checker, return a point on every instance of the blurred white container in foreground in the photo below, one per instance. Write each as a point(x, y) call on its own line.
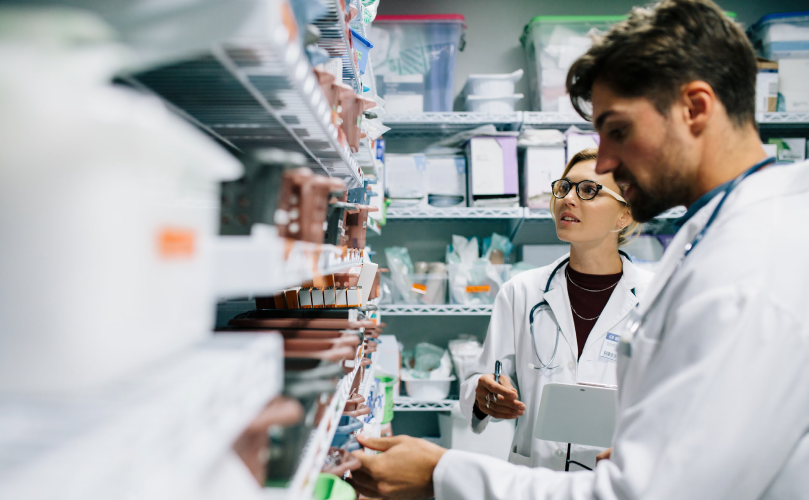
point(108, 207)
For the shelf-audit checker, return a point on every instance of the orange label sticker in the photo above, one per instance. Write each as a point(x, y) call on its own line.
point(478, 289)
point(419, 288)
point(176, 242)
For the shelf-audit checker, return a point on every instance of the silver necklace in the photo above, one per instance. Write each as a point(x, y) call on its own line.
point(582, 317)
point(587, 289)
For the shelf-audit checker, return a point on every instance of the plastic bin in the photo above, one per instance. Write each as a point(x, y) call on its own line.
point(492, 85)
point(486, 104)
point(362, 50)
point(428, 389)
point(552, 44)
point(781, 36)
point(476, 283)
point(414, 61)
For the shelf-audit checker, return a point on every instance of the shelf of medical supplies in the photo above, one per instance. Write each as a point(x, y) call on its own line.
point(335, 40)
point(254, 95)
point(454, 213)
point(404, 403)
point(778, 120)
point(433, 124)
point(264, 263)
point(366, 156)
point(435, 310)
point(163, 428)
point(550, 119)
point(314, 452)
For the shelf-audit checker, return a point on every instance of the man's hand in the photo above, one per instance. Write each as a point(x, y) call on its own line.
point(604, 455)
point(503, 402)
point(403, 471)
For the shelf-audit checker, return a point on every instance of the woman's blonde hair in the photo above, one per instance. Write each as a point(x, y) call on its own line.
point(627, 234)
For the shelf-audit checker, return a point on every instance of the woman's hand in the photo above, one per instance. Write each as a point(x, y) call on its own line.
point(502, 398)
point(604, 455)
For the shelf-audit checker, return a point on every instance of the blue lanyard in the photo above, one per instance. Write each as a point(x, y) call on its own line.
point(729, 189)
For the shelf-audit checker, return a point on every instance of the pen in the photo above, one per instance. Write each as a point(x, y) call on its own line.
point(497, 367)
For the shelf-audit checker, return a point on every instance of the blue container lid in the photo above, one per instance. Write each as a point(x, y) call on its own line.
point(776, 16)
point(362, 39)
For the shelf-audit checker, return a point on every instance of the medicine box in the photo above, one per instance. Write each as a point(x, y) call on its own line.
point(492, 171)
point(578, 142)
point(446, 180)
point(790, 149)
point(766, 86)
point(406, 178)
point(793, 75)
point(541, 166)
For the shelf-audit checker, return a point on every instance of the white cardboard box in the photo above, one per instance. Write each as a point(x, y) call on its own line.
point(406, 177)
point(793, 75)
point(446, 175)
point(579, 142)
point(542, 166)
point(766, 91)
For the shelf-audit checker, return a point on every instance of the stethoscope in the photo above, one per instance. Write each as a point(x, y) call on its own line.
point(636, 318)
point(545, 307)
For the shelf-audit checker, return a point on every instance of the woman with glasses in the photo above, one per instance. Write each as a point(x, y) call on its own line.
point(557, 323)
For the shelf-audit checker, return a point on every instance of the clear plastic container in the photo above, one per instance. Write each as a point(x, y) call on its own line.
point(552, 44)
point(781, 36)
point(428, 389)
point(476, 283)
point(414, 60)
point(486, 104)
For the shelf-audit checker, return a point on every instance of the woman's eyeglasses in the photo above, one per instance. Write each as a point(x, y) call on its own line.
point(587, 190)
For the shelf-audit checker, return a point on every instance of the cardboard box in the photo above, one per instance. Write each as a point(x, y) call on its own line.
point(492, 168)
point(579, 142)
point(406, 178)
point(541, 166)
point(766, 86)
point(446, 177)
point(793, 75)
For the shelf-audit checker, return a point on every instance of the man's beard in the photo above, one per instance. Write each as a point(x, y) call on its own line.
point(647, 202)
point(668, 189)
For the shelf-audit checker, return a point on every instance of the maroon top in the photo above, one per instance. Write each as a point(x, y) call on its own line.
point(587, 305)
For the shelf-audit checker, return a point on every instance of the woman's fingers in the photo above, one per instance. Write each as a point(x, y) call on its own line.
point(499, 408)
point(514, 404)
point(486, 383)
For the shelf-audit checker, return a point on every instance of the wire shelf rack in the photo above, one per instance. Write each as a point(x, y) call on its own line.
point(257, 94)
point(404, 403)
point(435, 310)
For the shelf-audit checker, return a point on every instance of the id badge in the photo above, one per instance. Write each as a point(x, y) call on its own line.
point(609, 349)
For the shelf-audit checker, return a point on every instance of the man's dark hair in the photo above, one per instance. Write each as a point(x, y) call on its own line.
point(660, 48)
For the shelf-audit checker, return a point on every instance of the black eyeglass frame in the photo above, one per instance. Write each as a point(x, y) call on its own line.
point(599, 187)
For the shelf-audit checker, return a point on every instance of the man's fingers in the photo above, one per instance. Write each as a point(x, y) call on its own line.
point(364, 484)
point(378, 444)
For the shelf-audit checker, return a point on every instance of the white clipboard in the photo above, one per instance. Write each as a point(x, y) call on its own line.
point(578, 414)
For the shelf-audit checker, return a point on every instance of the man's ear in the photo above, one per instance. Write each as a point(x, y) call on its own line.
point(699, 104)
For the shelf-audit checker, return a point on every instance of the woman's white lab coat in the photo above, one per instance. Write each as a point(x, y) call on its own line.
point(509, 340)
point(712, 390)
